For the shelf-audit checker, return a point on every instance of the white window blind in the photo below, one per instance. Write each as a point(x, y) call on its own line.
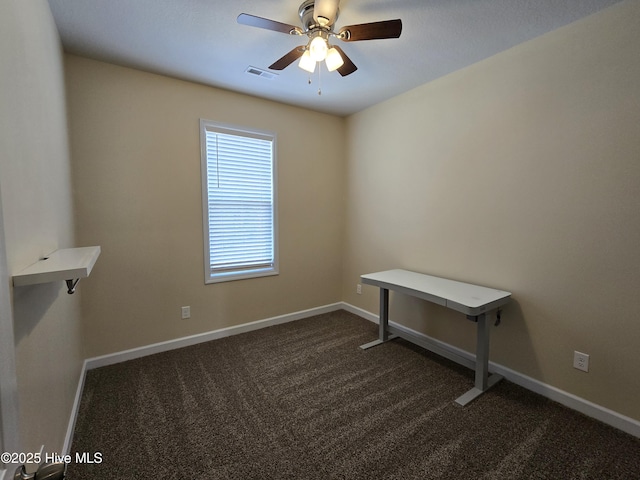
point(238, 197)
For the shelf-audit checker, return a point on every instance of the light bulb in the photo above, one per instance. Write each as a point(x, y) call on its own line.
point(334, 59)
point(318, 49)
point(307, 63)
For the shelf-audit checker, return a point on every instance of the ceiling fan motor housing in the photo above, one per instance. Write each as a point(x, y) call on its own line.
point(306, 15)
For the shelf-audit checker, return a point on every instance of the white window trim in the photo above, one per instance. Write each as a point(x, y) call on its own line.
point(218, 277)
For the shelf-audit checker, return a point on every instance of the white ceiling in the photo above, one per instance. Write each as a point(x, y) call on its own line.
point(200, 40)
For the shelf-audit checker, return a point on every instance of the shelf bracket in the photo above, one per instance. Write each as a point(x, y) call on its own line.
point(71, 286)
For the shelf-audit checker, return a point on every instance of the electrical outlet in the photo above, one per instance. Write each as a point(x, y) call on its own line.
point(581, 361)
point(359, 289)
point(186, 312)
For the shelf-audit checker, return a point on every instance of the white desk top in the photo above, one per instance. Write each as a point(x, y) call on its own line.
point(463, 297)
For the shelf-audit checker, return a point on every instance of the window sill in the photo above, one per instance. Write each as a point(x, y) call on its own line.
point(244, 275)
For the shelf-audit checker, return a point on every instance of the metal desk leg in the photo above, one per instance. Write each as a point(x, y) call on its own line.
point(482, 353)
point(384, 321)
point(483, 381)
point(384, 314)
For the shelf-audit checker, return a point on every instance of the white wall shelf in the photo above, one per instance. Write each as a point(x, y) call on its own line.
point(68, 264)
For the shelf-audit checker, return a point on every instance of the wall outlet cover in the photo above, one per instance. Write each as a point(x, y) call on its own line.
point(581, 361)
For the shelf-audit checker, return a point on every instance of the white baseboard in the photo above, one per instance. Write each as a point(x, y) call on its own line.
point(133, 353)
point(66, 448)
point(621, 422)
point(605, 415)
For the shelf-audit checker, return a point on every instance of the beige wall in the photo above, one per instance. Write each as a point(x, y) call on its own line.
point(37, 219)
point(522, 173)
point(136, 163)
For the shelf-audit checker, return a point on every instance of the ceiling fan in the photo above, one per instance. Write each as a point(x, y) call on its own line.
point(318, 20)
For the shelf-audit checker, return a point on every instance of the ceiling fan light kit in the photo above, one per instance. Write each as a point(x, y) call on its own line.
point(318, 18)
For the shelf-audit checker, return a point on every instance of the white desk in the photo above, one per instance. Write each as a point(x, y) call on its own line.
point(480, 304)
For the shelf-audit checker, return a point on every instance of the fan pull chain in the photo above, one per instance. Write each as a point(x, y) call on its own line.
point(319, 80)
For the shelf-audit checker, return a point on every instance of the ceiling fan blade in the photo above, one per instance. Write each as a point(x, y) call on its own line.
point(371, 31)
point(348, 67)
point(287, 59)
point(253, 21)
point(325, 9)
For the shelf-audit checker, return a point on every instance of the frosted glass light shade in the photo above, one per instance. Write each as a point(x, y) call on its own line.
point(318, 49)
point(307, 63)
point(334, 59)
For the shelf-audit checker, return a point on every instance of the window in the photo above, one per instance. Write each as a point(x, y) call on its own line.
point(239, 207)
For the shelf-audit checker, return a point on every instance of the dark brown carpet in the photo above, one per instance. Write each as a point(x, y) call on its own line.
point(302, 401)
